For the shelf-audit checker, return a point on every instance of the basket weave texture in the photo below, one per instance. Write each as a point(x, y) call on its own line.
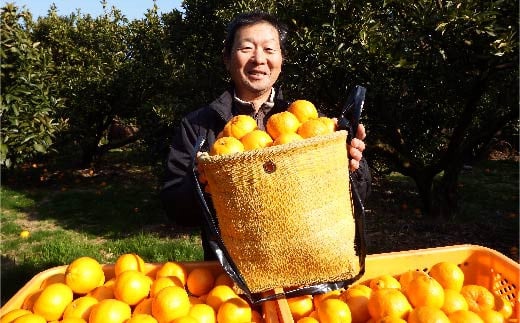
point(285, 212)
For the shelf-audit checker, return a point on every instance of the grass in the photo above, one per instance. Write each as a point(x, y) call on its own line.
point(114, 209)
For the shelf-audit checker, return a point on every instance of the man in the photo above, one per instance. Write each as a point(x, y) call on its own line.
point(253, 54)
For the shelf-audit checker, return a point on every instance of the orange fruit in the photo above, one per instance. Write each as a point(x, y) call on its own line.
point(256, 139)
point(200, 281)
point(503, 306)
point(162, 282)
point(170, 303)
point(287, 138)
point(464, 316)
point(384, 281)
point(80, 307)
point(110, 311)
point(329, 123)
point(203, 313)
point(479, 298)
point(184, 319)
point(224, 279)
point(129, 261)
point(334, 310)
point(141, 318)
point(407, 277)
point(318, 298)
point(226, 146)
point(172, 268)
point(73, 320)
point(30, 318)
point(387, 319)
point(356, 297)
point(52, 301)
point(103, 292)
point(84, 274)
point(313, 128)
point(303, 110)
point(143, 307)
point(427, 314)
point(308, 319)
point(300, 306)
point(282, 122)
point(425, 291)
point(234, 310)
point(491, 316)
point(453, 301)
point(132, 287)
point(239, 126)
point(388, 302)
point(56, 278)
point(218, 295)
point(448, 274)
point(13, 314)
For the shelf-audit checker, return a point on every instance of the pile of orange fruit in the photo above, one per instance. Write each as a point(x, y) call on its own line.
point(167, 294)
point(299, 122)
point(439, 295)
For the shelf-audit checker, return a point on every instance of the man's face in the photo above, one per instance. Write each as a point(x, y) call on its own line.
point(255, 61)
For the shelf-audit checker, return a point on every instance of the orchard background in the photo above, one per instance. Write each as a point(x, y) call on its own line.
point(88, 106)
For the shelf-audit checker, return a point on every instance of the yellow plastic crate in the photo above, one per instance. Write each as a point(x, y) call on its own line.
point(269, 309)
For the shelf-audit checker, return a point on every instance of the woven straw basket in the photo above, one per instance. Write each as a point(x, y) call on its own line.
point(285, 213)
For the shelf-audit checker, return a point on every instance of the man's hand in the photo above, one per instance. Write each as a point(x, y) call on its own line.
point(356, 148)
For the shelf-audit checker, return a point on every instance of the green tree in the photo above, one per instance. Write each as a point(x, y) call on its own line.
point(29, 101)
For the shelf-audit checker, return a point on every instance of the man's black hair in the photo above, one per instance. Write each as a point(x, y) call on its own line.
point(251, 18)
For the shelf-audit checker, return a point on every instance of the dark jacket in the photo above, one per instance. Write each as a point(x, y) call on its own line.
point(178, 194)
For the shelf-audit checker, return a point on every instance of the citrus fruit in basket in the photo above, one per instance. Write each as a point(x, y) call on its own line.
point(172, 268)
point(184, 319)
point(30, 318)
point(491, 316)
point(203, 313)
point(282, 122)
point(142, 318)
point(170, 303)
point(52, 301)
point(128, 261)
point(388, 302)
point(329, 123)
point(303, 110)
point(103, 292)
point(84, 274)
point(453, 301)
point(503, 306)
point(80, 307)
point(300, 306)
point(384, 281)
point(425, 291)
point(224, 279)
point(334, 310)
point(110, 311)
point(143, 307)
point(427, 314)
point(479, 298)
point(234, 310)
point(132, 287)
point(308, 319)
point(239, 126)
point(357, 297)
point(287, 138)
point(407, 277)
point(256, 139)
point(72, 320)
point(218, 295)
point(13, 314)
point(200, 281)
point(465, 316)
point(163, 282)
point(226, 146)
point(313, 128)
point(448, 274)
point(318, 298)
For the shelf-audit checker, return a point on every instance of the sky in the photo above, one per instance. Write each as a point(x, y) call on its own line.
point(132, 9)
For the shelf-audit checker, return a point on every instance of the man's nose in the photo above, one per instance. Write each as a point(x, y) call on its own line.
point(259, 56)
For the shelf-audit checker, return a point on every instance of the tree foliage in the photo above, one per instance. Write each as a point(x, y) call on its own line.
point(29, 102)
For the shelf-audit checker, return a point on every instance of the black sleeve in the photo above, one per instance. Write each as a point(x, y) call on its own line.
point(362, 180)
point(178, 195)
